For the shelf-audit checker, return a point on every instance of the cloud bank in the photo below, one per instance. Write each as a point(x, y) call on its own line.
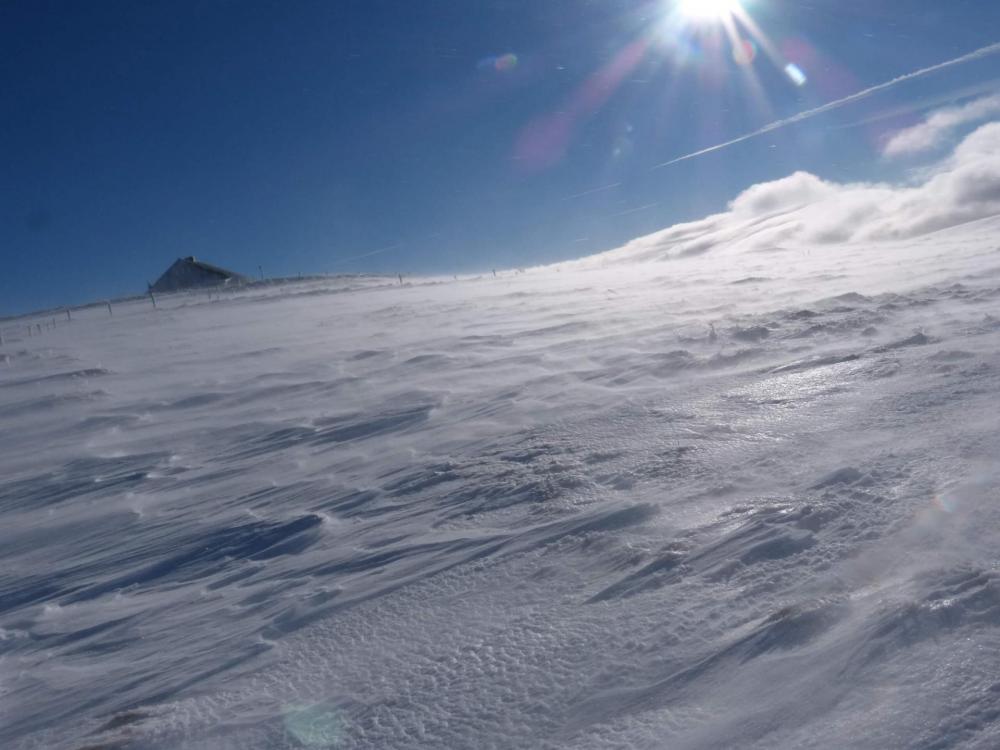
point(936, 128)
point(805, 210)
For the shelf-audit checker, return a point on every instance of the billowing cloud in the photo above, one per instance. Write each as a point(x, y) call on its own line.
point(796, 191)
point(805, 210)
point(937, 127)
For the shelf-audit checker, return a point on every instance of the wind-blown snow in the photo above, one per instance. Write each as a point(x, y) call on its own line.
point(740, 491)
point(803, 209)
point(939, 125)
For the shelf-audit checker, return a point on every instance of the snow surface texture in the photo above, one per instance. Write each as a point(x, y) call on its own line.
point(741, 498)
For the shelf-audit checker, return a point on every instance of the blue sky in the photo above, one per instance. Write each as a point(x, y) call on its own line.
point(431, 136)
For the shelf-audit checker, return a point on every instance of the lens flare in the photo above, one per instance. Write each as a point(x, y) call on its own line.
point(506, 62)
point(498, 63)
point(795, 74)
point(946, 501)
point(744, 52)
point(708, 10)
point(316, 726)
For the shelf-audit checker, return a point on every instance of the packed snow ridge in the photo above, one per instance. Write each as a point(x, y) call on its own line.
point(734, 485)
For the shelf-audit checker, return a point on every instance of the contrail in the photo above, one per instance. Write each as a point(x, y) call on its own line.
point(628, 211)
point(370, 254)
point(810, 113)
point(591, 192)
point(924, 104)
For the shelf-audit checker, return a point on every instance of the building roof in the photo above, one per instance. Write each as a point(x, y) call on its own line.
point(191, 273)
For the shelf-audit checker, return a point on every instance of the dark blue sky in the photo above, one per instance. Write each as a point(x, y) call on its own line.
point(438, 135)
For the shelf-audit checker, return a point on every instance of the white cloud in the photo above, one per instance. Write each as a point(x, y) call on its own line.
point(937, 127)
point(805, 210)
point(795, 191)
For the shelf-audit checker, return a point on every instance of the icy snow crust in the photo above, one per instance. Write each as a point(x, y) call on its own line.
point(551, 510)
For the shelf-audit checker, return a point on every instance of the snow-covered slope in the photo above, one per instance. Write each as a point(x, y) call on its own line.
point(742, 498)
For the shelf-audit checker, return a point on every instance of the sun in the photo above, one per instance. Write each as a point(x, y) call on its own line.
point(708, 10)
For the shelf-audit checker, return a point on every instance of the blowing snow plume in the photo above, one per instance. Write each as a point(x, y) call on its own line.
point(937, 127)
point(805, 210)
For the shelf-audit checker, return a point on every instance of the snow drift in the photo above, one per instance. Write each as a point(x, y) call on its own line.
point(743, 496)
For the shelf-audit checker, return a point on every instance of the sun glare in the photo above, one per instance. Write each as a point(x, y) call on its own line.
point(708, 10)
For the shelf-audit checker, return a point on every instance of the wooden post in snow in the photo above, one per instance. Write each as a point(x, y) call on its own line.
point(152, 297)
point(68, 315)
point(109, 309)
